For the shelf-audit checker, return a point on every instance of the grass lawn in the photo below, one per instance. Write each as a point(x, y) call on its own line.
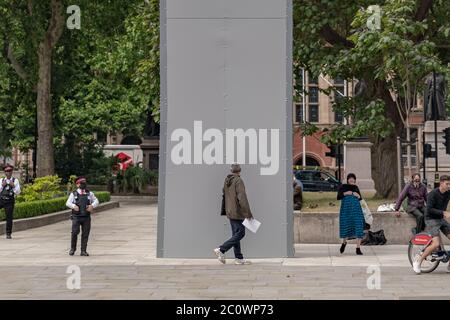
point(326, 202)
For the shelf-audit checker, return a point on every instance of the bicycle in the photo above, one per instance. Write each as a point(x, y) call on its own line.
point(419, 243)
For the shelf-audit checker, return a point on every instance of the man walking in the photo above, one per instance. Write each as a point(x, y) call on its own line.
point(82, 202)
point(9, 188)
point(436, 219)
point(236, 207)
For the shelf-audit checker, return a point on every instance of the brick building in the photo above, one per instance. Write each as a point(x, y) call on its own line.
point(318, 111)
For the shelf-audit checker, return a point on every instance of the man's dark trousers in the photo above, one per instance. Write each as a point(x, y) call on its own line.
point(238, 232)
point(418, 213)
point(85, 224)
point(9, 210)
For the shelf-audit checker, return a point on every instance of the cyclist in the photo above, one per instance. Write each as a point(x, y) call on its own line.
point(436, 219)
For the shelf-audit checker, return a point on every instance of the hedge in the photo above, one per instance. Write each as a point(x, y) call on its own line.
point(37, 208)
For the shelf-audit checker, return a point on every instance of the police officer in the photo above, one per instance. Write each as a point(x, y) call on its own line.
point(9, 188)
point(82, 202)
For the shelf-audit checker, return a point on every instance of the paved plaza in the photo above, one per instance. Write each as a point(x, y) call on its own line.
point(123, 265)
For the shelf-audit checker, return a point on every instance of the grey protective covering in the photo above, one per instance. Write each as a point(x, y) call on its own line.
point(228, 64)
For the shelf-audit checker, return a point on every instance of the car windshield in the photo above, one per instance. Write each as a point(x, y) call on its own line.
point(329, 177)
point(304, 176)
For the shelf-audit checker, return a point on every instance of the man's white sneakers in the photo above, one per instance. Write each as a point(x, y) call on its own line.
point(416, 265)
point(448, 268)
point(220, 255)
point(242, 262)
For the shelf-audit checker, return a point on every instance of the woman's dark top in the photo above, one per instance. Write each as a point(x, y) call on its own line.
point(348, 187)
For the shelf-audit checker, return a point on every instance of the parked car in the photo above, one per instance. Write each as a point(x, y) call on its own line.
point(317, 180)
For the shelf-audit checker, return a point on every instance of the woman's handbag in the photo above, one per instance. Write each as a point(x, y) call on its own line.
point(374, 239)
point(367, 214)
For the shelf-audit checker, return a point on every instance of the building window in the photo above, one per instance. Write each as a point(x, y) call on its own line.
point(313, 113)
point(413, 156)
point(298, 106)
point(339, 81)
point(338, 94)
point(313, 99)
point(338, 117)
point(313, 95)
point(404, 148)
point(313, 80)
point(102, 137)
point(299, 113)
point(153, 162)
point(313, 104)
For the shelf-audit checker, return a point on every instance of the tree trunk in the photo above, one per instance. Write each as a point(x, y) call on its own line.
point(384, 151)
point(45, 154)
point(384, 166)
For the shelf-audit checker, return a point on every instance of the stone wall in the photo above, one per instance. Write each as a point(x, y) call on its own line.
point(324, 227)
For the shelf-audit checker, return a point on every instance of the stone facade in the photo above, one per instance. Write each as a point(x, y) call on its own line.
point(315, 150)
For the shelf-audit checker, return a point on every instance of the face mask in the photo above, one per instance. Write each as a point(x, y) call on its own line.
point(83, 185)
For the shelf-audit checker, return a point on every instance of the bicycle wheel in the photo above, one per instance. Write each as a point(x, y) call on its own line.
point(427, 265)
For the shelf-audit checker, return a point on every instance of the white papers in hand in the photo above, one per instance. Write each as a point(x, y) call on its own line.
point(251, 224)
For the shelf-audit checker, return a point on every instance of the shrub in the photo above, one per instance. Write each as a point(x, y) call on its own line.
point(135, 178)
point(153, 177)
point(41, 207)
point(103, 196)
point(86, 159)
point(43, 188)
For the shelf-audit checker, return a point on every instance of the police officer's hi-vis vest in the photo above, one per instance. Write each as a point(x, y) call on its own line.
point(82, 201)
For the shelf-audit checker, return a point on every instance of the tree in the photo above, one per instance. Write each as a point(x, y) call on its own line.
point(28, 34)
point(102, 78)
point(333, 38)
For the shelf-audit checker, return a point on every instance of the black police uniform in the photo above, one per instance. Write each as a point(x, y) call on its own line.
point(81, 218)
point(7, 201)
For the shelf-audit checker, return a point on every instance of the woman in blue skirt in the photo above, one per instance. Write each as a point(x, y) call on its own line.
point(351, 216)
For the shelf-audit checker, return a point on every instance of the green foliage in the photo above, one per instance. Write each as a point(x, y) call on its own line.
point(86, 160)
point(103, 196)
point(153, 177)
point(43, 188)
point(119, 82)
point(135, 178)
point(400, 54)
point(100, 170)
point(41, 207)
point(105, 76)
point(36, 208)
point(71, 185)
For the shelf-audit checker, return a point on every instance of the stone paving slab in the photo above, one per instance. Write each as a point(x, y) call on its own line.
point(193, 282)
point(123, 265)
